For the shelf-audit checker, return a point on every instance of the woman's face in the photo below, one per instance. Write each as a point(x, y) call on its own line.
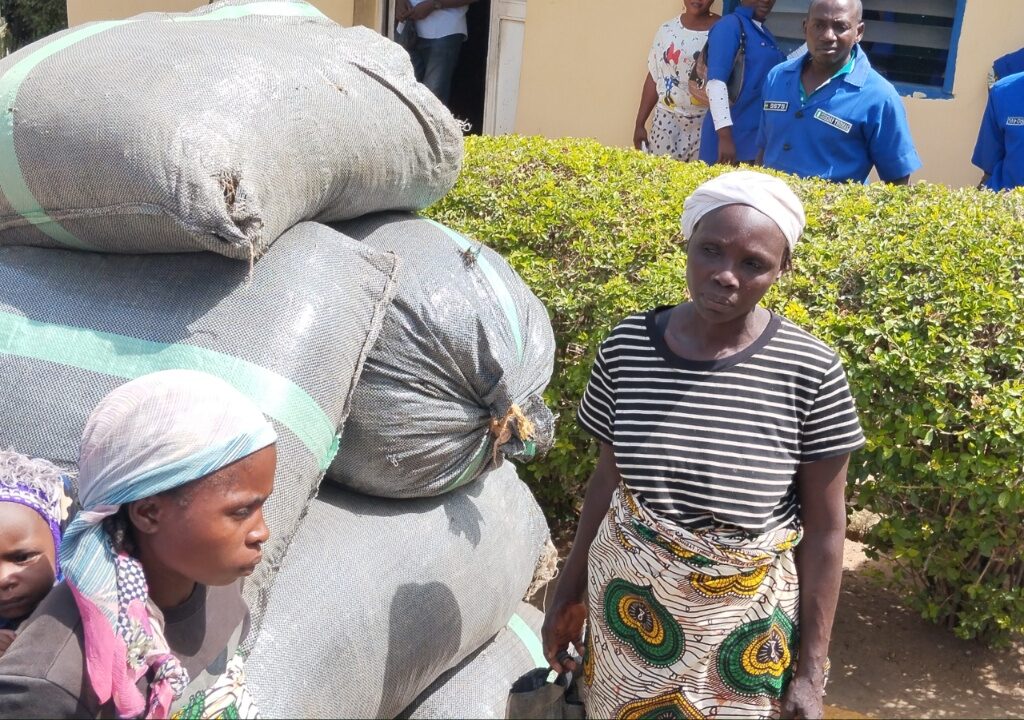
point(697, 7)
point(211, 531)
point(762, 8)
point(733, 257)
point(27, 560)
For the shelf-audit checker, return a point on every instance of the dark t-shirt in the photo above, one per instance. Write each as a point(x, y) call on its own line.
point(42, 673)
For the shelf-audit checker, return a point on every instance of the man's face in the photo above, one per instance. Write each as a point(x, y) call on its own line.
point(27, 560)
point(212, 531)
point(733, 257)
point(831, 29)
point(762, 8)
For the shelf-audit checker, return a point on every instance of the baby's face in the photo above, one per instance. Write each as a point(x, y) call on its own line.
point(27, 564)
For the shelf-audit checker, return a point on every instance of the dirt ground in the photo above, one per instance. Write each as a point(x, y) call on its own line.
point(889, 663)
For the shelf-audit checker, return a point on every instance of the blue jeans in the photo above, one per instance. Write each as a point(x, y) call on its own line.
point(434, 59)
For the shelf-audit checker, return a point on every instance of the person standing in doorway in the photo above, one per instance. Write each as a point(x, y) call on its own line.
point(677, 121)
point(729, 135)
point(441, 29)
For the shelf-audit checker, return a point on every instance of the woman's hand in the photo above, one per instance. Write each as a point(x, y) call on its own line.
point(803, 699)
point(640, 137)
point(6, 638)
point(726, 147)
point(563, 624)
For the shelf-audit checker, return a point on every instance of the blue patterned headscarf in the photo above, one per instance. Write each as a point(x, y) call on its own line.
point(151, 435)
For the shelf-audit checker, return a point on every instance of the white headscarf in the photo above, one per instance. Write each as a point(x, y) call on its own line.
point(153, 434)
point(766, 194)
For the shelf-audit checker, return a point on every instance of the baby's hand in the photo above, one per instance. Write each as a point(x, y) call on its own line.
point(6, 638)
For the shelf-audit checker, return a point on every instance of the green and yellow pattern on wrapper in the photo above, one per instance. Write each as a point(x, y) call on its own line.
point(687, 625)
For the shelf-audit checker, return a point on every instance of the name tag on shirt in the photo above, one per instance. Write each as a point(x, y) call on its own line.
point(1015, 121)
point(775, 106)
point(837, 123)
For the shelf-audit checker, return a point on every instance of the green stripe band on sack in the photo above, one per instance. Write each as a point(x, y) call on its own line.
point(529, 639)
point(472, 469)
point(508, 305)
point(12, 181)
point(129, 358)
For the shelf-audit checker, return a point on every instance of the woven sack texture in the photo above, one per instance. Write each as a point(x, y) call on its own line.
point(75, 325)
point(378, 597)
point(216, 129)
point(465, 346)
point(478, 686)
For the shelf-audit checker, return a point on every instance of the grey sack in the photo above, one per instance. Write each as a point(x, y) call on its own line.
point(214, 130)
point(464, 355)
point(478, 686)
point(377, 598)
point(74, 325)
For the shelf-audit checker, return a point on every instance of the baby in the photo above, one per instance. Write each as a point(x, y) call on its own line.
point(33, 503)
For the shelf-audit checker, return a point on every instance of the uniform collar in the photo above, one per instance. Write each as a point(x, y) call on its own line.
point(856, 77)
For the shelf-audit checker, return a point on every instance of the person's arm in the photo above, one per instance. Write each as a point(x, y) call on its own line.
point(821, 487)
point(421, 11)
point(723, 44)
point(984, 181)
point(27, 697)
point(990, 148)
point(890, 144)
point(563, 622)
point(721, 117)
point(648, 99)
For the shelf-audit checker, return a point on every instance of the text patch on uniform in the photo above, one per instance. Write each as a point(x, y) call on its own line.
point(837, 123)
point(776, 106)
point(1016, 121)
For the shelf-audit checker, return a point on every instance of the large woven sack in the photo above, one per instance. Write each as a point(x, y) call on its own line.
point(74, 325)
point(478, 686)
point(462, 360)
point(377, 598)
point(216, 129)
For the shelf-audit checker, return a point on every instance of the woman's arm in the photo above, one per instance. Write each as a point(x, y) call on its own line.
point(648, 99)
point(821, 487)
point(563, 622)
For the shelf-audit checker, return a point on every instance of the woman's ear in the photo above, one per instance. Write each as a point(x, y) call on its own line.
point(145, 514)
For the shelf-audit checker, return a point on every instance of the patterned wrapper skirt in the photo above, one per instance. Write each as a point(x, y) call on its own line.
point(687, 624)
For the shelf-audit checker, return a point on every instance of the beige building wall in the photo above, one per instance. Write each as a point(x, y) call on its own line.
point(584, 63)
point(80, 11)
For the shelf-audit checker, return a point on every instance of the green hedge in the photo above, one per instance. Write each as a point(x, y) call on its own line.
point(30, 20)
point(920, 289)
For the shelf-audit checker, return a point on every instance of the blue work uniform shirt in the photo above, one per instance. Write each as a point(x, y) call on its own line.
point(1000, 147)
point(762, 54)
point(1009, 64)
point(853, 123)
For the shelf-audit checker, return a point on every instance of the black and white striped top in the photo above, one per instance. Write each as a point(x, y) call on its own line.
point(718, 443)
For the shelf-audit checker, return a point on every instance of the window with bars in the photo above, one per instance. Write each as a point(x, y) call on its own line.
point(912, 43)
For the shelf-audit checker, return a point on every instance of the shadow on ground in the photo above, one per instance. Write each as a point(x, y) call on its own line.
point(889, 663)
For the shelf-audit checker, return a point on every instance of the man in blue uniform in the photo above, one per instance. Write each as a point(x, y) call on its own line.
point(1000, 148)
point(828, 113)
point(1009, 64)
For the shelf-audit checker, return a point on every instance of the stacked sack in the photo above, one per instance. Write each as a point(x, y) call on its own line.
point(130, 193)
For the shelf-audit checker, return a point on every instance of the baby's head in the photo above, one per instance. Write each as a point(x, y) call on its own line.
point(32, 505)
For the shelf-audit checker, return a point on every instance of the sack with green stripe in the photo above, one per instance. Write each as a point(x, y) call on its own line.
point(478, 686)
point(216, 129)
point(454, 382)
point(378, 597)
point(74, 325)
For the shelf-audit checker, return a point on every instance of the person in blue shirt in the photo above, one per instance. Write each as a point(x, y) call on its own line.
point(999, 151)
point(729, 134)
point(828, 113)
point(1009, 64)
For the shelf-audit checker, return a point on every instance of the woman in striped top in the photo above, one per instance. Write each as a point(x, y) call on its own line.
point(725, 432)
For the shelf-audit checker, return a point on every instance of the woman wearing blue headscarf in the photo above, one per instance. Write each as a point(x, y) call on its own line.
point(174, 469)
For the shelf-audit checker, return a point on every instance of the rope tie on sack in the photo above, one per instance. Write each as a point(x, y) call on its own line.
point(502, 429)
